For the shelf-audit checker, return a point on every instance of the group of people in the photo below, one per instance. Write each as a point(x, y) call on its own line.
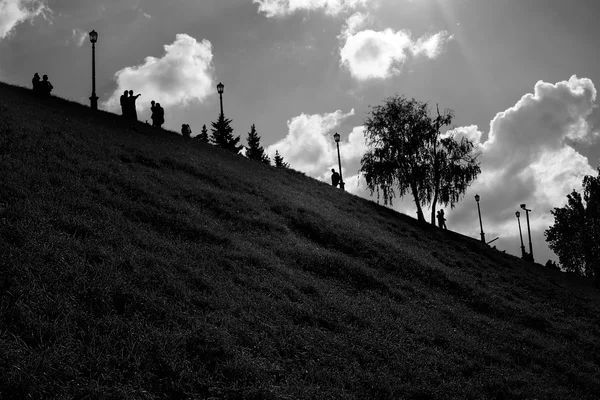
point(127, 101)
point(42, 87)
point(158, 114)
point(186, 131)
point(129, 110)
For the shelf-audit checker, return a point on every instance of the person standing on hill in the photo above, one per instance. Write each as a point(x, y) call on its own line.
point(131, 100)
point(45, 86)
point(153, 112)
point(123, 100)
point(35, 81)
point(441, 219)
point(186, 131)
point(335, 178)
point(160, 115)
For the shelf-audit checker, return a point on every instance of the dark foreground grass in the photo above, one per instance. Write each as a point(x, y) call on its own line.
point(139, 265)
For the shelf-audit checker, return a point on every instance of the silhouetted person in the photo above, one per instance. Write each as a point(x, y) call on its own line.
point(153, 113)
point(131, 100)
point(35, 82)
point(159, 115)
point(124, 105)
point(335, 178)
point(186, 131)
point(441, 219)
point(45, 86)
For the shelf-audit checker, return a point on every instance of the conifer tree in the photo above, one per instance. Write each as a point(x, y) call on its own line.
point(254, 150)
point(222, 135)
point(203, 136)
point(278, 159)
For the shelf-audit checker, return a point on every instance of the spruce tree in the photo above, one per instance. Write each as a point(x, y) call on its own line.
point(222, 135)
point(203, 136)
point(279, 163)
point(254, 150)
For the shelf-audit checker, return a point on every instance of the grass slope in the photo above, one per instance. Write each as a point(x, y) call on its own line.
point(137, 264)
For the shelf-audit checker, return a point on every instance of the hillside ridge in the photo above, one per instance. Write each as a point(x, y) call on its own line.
point(137, 264)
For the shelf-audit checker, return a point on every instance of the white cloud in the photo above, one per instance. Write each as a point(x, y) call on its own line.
point(277, 8)
point(14, 12)
point(182, 75)
point(309, 145)
point(527, 159)
point(431, 46)
point(372, 54)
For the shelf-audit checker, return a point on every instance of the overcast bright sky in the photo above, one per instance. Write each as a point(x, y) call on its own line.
point(519, 75)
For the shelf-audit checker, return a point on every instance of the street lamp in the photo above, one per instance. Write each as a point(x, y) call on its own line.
point(336, 137)
point(518, 214)
point(480, 224)
point(93, 97)
point(220, 88)
point(523, 206)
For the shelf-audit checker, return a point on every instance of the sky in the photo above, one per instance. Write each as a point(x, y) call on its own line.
point(519, 75)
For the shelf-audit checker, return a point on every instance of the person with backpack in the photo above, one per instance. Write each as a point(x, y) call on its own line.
point(45, 86)
point(335, 178)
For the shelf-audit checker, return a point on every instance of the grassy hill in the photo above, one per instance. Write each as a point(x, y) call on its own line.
point(137, 264)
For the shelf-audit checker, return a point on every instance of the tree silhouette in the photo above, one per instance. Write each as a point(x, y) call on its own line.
point(203, 136)
point(278, 159)
point(575, 235)
point(407, 151)
point(254, 150)
point(222, 135)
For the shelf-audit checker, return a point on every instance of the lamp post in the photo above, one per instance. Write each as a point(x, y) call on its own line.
point(336, 137)
point(524, 207)
point(518, 214)
point(93, 97)
point(220, 88)
point(480, 224)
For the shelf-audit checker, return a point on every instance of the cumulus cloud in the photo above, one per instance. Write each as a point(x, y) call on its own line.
point(309, 145)
point(527, 159)
point(277, 8)
point(14, 12)
point(370, 54)
point(183, 74)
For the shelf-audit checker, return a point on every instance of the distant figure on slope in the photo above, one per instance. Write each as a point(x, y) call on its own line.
point(131, 100)
point(124, 103)
point(335, 178)
point(159, 115)
point(441, 219)
point(186, 131)
point(45, 86)
point(35, 82)
point(153, 116)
